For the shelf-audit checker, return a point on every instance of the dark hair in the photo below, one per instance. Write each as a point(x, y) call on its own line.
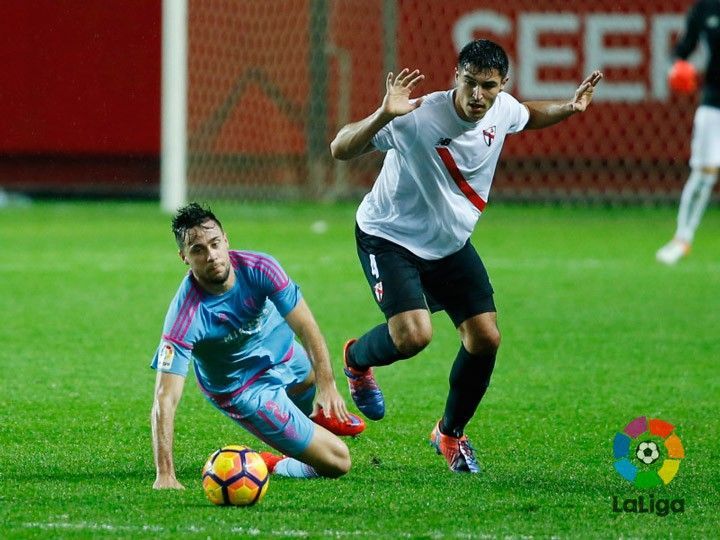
point(190, 216)
point(483, 55)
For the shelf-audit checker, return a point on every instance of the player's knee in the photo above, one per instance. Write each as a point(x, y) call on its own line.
point(485, 343)
point(412, 343)
point(493, 340)
point(327, 454)
point(413, 339)
point(341, 464)
point(337, 460)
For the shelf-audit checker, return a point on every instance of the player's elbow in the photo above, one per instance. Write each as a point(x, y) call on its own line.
point(156, 411)
point(339, 151)
point(164, 403)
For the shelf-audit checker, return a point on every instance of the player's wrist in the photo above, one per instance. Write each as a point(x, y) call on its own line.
point(324, 381)
point(165, 479)
point(384, 115)
point(570, 108)
point(165, 468)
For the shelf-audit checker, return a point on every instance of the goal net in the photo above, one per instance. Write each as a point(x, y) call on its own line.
point(270, 82)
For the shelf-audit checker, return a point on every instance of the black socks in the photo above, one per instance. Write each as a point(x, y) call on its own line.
point(469, 379)
point(374, 348)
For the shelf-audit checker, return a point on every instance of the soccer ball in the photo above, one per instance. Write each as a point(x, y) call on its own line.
point(647, 452)
point(235, 475)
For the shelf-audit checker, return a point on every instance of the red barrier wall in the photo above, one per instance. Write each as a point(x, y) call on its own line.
point(80, 77)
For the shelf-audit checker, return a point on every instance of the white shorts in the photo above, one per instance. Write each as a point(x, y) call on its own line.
point(705, 146)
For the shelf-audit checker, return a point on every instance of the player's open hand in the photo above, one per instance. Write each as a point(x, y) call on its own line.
point(584, 93)
point(397, 92)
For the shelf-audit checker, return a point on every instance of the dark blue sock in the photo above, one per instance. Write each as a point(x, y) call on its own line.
point(469, 379)
point(374, 348)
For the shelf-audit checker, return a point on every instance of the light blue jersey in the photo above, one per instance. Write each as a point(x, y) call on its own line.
point(234, 336)
point(245, 356)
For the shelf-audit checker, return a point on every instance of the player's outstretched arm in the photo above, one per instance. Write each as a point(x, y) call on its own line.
point(168, 390)
point(547, 113)
point(354, 139)
point(303, 323)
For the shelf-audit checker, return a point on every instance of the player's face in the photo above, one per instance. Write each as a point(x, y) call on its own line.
point(475, 92)
point(206, 251)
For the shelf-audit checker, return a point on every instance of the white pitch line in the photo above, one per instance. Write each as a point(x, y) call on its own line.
point(247, 531)
point(85, 526)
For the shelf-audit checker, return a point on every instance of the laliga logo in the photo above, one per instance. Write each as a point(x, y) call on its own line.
point(638, 448)
point(647, 454)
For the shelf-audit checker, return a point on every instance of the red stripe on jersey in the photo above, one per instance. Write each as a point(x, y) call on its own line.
point(459, 179)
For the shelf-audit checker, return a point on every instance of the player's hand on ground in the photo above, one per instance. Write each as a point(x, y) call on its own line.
point(584, 93)
point(397, 92)
point(329, 403)
point(166, 481)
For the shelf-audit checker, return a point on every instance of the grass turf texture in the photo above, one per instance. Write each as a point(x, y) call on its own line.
point(595, 333)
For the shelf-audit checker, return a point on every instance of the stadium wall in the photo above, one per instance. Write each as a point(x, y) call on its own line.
point(80, 96)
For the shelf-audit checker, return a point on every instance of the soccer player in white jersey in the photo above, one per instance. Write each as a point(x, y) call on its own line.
point(413, 228)
point(235, 317)
point(703, 20)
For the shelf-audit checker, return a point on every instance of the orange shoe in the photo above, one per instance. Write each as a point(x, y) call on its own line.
point(354, 426)
point(363, 389)
point(458, 452)
point(271, 460)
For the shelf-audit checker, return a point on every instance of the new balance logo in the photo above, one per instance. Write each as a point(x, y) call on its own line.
point(443, 141)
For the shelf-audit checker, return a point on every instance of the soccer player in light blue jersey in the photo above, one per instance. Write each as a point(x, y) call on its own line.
point(236, 315)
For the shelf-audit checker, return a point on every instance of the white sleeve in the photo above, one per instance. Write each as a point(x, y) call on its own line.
point(517, 114)
point(399, 134)
point(383, 140)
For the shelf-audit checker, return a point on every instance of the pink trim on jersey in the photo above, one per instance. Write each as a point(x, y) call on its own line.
point(168, 337)
point(252, 428)
point(275, 274)
point(459, 179)
point(268, 421)
point(224, 399)
point(185, 315)
point(247, 424)
point(287, 430)
point(234, 413)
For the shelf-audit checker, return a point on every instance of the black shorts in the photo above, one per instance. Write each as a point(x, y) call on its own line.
point(402, 281)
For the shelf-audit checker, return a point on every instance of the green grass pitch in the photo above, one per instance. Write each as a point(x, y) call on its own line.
point(595, 333)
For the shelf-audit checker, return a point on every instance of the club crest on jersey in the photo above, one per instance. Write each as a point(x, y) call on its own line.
point(165, 356)
point(489, 135)
point(378, 288)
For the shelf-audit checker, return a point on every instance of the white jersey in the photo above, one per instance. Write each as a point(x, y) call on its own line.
point(437, 173)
